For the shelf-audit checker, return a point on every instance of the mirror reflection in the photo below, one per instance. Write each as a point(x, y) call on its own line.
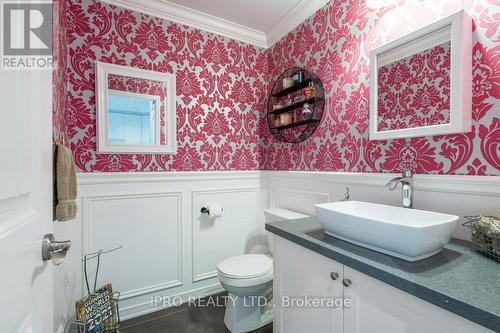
point(136, 111)
point(132, 118)
point(415, 91)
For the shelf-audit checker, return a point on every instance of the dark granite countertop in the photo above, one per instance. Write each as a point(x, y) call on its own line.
point(457, 279)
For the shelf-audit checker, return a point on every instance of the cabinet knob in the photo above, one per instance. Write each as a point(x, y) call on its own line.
point(334, 275)
point(346, 282)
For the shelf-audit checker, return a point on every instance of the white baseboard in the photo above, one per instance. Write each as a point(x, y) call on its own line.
point(64, 326)
point(61, 328)
point(146, 307)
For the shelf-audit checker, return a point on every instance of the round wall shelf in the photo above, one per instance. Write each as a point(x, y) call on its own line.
point(295, 107)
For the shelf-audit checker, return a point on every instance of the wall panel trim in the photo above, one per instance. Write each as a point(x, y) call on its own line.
point(86, 235)
point(194, 194)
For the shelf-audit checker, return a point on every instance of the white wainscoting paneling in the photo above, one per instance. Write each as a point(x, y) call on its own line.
point(235, 232)
point(301, 201)
point(149, 228)
point(169, 249)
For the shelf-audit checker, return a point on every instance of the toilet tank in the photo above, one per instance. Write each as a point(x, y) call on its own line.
point(279, 214)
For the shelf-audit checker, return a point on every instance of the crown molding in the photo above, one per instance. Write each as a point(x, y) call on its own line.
point(186, 16)
point(297, 15)
point(190, 17)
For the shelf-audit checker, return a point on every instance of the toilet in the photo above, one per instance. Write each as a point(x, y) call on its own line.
point(248, 279)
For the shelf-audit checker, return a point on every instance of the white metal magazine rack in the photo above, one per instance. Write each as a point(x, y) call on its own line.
point(98, 312)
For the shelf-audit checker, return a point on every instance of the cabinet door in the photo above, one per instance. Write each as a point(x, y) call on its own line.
point(379, 308)
point(301, 275)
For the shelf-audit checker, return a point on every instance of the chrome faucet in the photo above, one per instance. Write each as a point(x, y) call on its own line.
point(406, 181)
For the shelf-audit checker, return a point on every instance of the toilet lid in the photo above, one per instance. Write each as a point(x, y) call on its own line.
point(246, 266)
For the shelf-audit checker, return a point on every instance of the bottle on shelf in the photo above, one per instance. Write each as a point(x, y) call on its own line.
point(306, 111)
point(298, 98)
point(288, 82)
point(277, 121)
point(310, 91)
point(277, 106)
point(299, 77)
point(286, 118)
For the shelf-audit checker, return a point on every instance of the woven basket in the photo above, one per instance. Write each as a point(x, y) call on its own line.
point(486, 235)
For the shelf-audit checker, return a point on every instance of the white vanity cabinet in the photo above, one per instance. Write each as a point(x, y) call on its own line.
point(301, 274)
point(375, 306)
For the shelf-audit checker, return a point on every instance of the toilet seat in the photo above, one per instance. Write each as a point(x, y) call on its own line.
point(245, 270)
point(248, 278)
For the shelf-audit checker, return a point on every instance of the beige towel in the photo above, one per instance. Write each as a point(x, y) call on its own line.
point(65, 184)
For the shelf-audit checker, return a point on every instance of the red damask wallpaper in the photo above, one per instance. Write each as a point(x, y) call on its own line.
point(415, 91)
point(335, 43)
point(221, 87)
point(59, 75)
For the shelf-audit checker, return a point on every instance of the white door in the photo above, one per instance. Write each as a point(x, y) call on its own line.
point(380, 308)
point(25, 201)
point(299, 275)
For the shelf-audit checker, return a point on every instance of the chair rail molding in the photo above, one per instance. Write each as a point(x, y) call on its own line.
point(103, 178)
point(479, 185)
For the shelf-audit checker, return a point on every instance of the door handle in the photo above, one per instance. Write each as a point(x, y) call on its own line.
point(54, 250)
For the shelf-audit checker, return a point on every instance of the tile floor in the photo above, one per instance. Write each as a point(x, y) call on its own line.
point(183, 319)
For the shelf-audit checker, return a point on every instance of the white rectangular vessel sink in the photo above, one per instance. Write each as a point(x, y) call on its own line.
point(408, 234)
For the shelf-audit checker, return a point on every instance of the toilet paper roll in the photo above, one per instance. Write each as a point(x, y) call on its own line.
point(215, 211)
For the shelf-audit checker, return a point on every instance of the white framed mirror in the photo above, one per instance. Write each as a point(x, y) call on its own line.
point(135, 110)
point(421, 83)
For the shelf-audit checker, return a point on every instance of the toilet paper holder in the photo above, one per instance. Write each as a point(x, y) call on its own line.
point(205, 210)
